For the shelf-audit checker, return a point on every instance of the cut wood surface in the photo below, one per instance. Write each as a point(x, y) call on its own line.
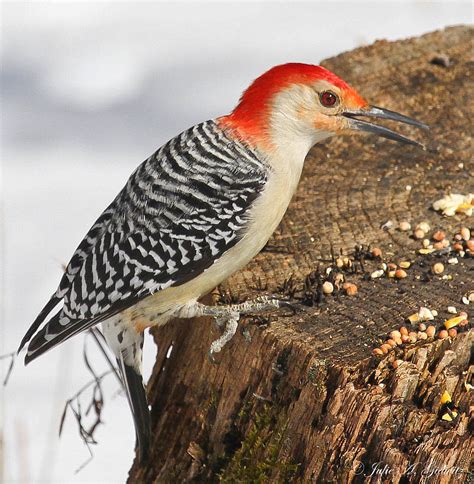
point(301, 398)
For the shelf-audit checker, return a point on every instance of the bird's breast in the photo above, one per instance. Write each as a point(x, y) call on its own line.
point(264, 216)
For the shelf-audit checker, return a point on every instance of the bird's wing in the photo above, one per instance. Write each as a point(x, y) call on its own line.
point(179, 212)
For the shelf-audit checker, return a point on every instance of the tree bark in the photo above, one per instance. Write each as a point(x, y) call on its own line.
point(301, 398)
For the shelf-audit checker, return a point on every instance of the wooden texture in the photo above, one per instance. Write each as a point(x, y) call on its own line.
point(301, 398)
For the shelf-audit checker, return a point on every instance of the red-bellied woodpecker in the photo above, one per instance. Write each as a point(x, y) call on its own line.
point(195, 212)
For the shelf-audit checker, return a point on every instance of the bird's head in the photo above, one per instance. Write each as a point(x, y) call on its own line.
point(301, 104)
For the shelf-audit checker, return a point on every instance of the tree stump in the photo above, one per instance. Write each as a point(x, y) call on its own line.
point(301, 398)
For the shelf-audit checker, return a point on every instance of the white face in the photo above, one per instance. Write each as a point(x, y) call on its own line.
point(299, 119)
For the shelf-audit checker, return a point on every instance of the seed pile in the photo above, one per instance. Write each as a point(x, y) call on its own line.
point(438, 244)
point(418, 329)
point(435, 243)
point(462, 245)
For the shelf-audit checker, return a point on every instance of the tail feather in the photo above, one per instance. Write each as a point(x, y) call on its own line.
point(55, 333)
point(51, 304)
point(136, 396)
point(58, 329)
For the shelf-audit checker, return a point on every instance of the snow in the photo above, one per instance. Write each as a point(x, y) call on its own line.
point(88, 91)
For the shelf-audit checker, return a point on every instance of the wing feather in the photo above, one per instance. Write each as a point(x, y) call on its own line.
point(178, 213)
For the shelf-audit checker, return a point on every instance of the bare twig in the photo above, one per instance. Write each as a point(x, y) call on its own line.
point(75, 398)
point(12, 356)
point(100, 340)
point(96, 403)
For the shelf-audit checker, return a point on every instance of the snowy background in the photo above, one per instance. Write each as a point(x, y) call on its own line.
point(89, 90)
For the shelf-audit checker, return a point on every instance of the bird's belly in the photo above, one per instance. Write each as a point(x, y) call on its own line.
point(264, 218)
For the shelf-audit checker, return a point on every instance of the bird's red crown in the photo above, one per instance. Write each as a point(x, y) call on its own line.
point(251, 113)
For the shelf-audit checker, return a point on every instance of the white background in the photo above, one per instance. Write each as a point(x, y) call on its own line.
point(89, 90)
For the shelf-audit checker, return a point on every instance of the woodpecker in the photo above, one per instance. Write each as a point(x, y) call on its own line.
point(195, 212)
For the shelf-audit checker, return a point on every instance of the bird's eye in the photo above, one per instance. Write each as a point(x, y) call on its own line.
point(328, 99)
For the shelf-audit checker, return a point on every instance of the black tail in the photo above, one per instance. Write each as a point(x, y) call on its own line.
point(37, 322)
point(136, 396)
point(59, 328)
point(54, 333)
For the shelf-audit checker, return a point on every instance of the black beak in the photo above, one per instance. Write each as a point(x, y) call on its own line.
point(375, 112)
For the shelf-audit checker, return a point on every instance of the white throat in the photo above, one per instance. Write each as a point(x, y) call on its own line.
point(292, 136)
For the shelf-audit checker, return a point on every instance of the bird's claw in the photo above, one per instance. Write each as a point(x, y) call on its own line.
point(210, 355)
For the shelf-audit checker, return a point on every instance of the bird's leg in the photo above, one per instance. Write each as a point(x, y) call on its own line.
point(228, 317)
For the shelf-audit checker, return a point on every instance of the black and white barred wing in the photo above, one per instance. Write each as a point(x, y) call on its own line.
point(179, 212)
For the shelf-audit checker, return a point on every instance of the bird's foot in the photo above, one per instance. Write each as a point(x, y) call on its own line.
point(230, 322)
point(227, 317)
